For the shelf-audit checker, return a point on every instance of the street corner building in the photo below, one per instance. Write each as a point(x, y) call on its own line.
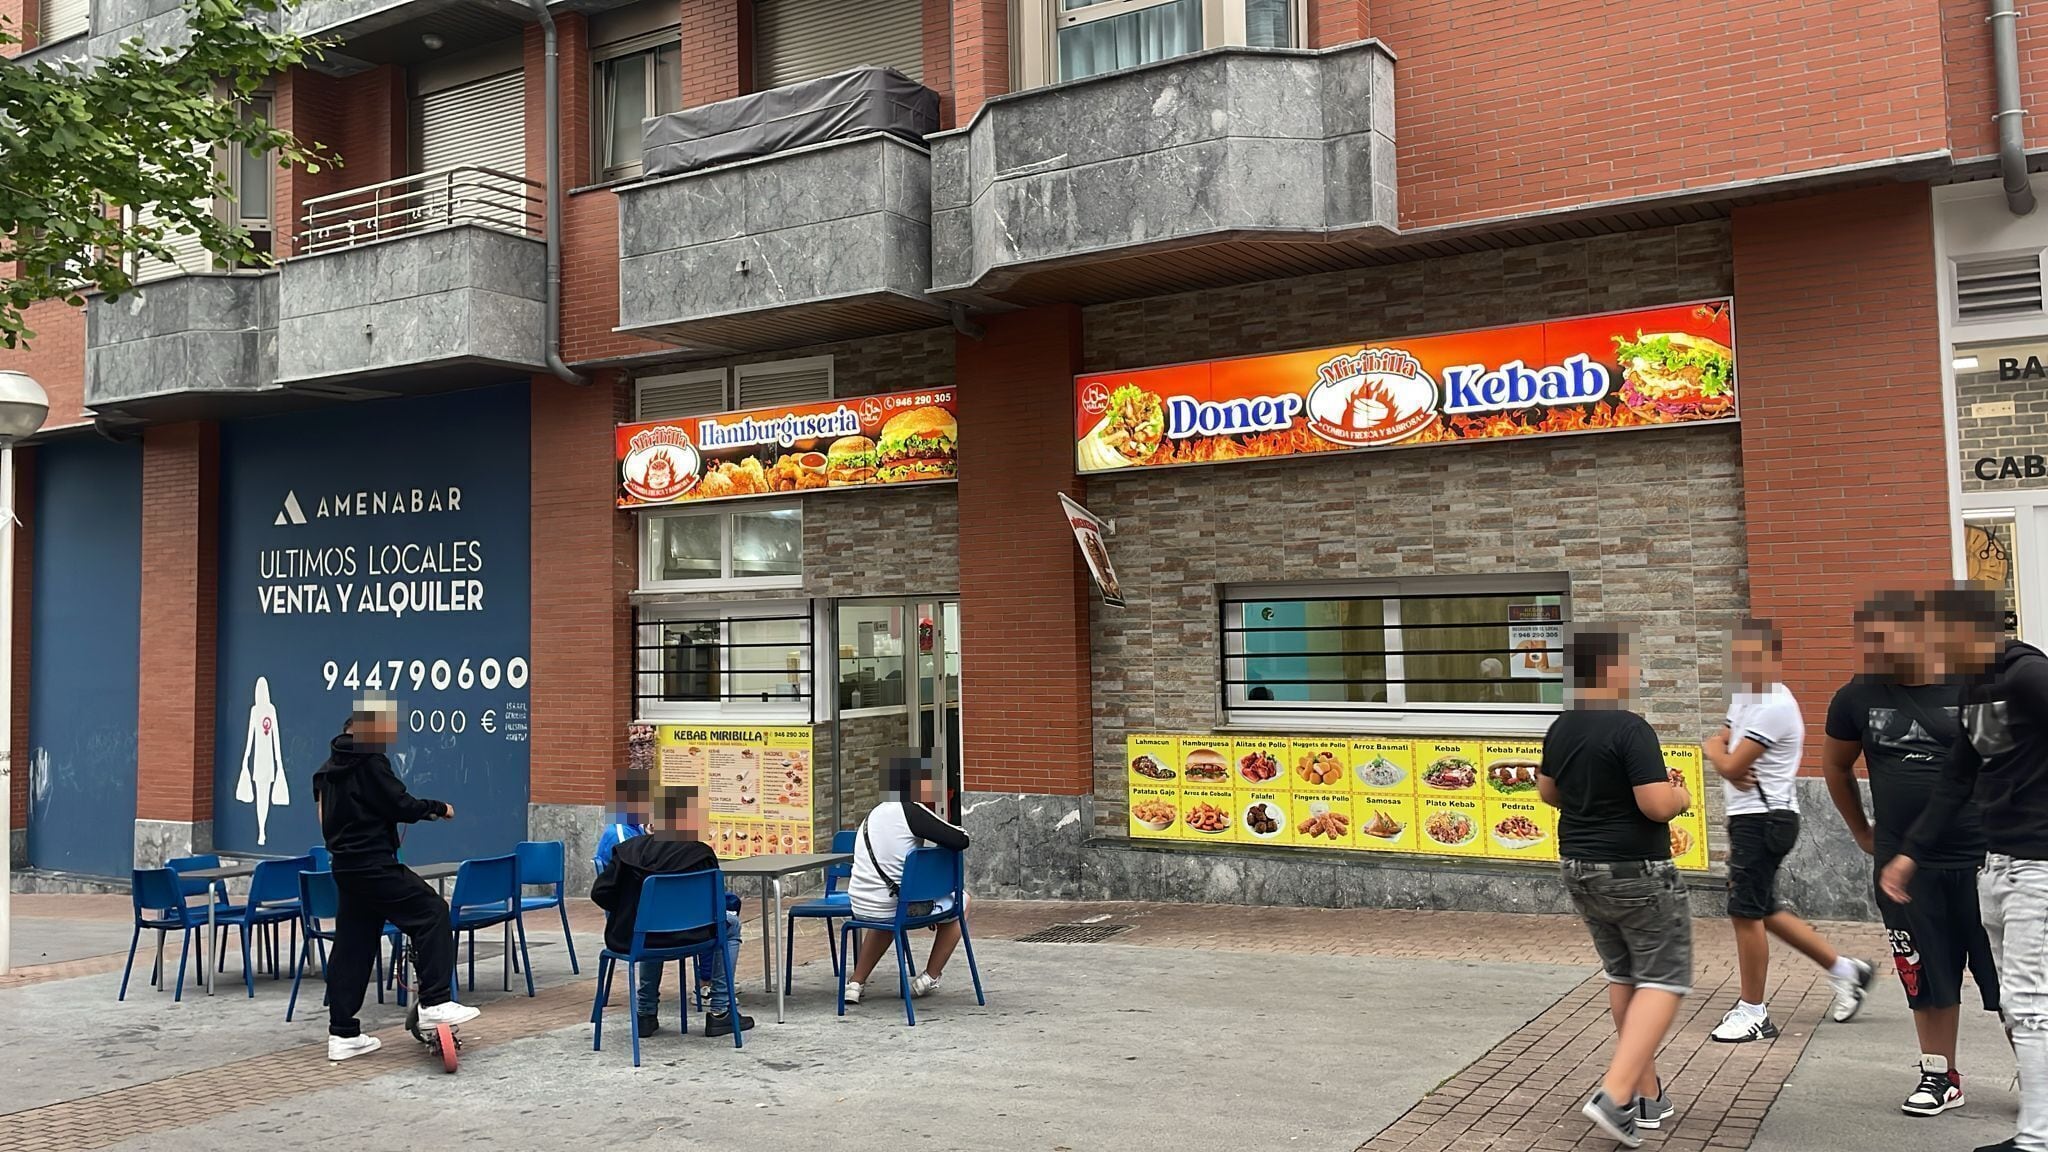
point(1192, 424)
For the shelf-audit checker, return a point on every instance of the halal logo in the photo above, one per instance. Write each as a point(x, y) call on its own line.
point(291, 513)
point(870, 412)
point(1095, 399)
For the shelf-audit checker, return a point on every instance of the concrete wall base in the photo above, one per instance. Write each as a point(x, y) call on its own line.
point(159, 840)
point(35, 880)
point(577, 826)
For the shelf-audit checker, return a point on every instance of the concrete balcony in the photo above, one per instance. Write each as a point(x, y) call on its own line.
point(828, 242)
point(1229, 165)
point(371, 32)
point(431, 281)
point(190, 345)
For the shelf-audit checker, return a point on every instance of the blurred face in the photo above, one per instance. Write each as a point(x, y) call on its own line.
point(630, 792)
point(1969, 648)
point(377, 730)
point(1752, 662)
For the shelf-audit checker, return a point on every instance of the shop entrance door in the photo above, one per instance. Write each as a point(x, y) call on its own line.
point(2005, 548)
point(899, 689)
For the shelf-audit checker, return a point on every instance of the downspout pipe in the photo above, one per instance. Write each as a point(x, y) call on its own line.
point(552, 191)
point(2010, 117)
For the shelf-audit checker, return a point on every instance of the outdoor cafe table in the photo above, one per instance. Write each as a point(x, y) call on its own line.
point(438, 873)
point(771, 869)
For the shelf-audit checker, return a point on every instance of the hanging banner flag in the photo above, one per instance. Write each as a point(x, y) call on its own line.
point(1088, 533)
point(860, 442)
point(1648, 368)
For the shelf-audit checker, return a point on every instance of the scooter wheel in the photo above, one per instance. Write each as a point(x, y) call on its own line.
point(444, 1039)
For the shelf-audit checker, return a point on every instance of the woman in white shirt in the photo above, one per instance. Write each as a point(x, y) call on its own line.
point(881, 845)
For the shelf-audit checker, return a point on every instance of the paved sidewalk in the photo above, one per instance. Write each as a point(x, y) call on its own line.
point(1198, 1027)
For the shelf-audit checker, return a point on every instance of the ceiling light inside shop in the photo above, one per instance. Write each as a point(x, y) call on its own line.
point(1965, 363)
point(433, 43)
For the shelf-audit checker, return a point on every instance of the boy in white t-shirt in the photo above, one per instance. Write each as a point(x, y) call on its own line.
point(1757, 754)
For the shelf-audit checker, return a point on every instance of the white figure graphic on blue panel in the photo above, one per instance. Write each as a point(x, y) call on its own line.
point(262, 781)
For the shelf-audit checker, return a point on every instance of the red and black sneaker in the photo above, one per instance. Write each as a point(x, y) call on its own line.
point(1940, 1089)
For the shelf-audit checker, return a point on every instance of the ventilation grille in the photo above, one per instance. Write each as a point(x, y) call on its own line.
point(781, 383)
point(682, 394)
point(1998, 288)
point(1075, 934)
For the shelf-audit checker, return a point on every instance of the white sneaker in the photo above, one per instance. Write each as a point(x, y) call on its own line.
point(853, 991)
point(923, 984)
point(1849, 994)
point(1742, 1025)
point(1938, 1091)
point(450, 1014)
point(341, 1048)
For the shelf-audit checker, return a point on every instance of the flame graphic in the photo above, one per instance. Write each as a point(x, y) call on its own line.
point(1358, 406)
point(1298, 440)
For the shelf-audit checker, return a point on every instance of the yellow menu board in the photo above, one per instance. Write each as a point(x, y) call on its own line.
point(758, 784)
point(1433, 796)
point(1382, 767)
point(1445, 768)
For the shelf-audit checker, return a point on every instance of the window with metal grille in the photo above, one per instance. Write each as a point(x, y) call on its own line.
point(753, 659)
point(1998, 287)
point(1385, 648)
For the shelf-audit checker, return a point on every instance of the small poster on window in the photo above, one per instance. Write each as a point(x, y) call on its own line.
point(1536, 641)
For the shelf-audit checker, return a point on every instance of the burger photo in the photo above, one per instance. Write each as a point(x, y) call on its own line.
point(919, 445)
point(1676, 375)
point(850, 460)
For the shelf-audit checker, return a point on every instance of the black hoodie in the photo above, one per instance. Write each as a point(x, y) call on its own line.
point(362, 803)
point(2003, 761)
point(617, 890)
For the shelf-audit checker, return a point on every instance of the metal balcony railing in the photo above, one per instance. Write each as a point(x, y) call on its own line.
point(437, 199)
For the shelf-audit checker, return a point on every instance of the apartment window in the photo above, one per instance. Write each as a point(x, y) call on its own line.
point(1073, 39)
point(754, 659)
point(703, 391)
point(1485, 647)
point(750, 546)
point(251, 176)
point(634, 80)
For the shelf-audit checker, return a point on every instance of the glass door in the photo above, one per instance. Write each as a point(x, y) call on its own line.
point(938, 704)
point(898, 693)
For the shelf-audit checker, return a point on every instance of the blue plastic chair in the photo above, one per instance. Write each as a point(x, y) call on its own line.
point(323, 861)
point(487, 895)
point(928, 874)
point(671, 903)
point(273, 902)
point(833, 905)
point(319, 902)
point(159, 900)
point(544, 862)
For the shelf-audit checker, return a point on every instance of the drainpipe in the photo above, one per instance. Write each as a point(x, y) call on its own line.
point(553, 192)
point(2010, 117)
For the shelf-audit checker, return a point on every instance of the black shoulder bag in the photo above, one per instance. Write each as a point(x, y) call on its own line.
point(895, 889)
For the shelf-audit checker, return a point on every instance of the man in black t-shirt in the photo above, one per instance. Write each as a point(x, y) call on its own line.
point(1603, 770)
point(1899, 718)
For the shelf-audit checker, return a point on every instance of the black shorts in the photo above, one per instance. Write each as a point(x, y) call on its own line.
point(1753, 863)
point(1937, 936)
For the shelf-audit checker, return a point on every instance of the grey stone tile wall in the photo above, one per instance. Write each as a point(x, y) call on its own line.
point(159, 840)
point(159, 23)
point(1981, 434)
point(186, 335)
point(578, 827)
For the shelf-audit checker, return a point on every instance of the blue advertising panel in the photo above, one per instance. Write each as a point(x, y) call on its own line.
point(377, 547)
point(85, 649)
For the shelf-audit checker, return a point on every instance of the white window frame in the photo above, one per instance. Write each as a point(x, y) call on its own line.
point(1036, 25)
point(601, 60)
point(723, 511)
point(650, 708)
point(1398, 716)
point(260, 107)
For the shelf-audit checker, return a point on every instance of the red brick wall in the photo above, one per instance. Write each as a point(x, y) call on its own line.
point(1028, 725)
point(19, 16)
point(1966, 54)
point(24, 586)
point(1844, 479)
point(937, 17)
point(981, 54)
point(1338, 21)
point(1521, 105)
point(583, 554)
point(359, 119)
point(717, 51)
point(56, 358)
point(180, 548)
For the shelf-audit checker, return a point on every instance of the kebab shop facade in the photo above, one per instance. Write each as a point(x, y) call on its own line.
point(1350, 539)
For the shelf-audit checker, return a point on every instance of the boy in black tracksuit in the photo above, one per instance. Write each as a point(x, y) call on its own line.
point(361, 803)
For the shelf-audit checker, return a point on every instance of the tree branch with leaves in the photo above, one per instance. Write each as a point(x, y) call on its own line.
point(85, 146)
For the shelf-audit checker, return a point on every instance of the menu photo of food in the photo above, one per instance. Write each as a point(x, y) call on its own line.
point(1321, 766)
point(1155, 812)
point(1262, 818)
point(1686, 765)
point(1208, 816)
point(1689, 841)
point(1381, 766)
point(1447, 768)
point(1451, 827)
point(1205, 763)
point(1511, 767)
point(683, 760)
point(1323, 820)
point(735, 781)
point(1152, 760)
point(1520, 829)
point(1258, 764)
point(1383, 823)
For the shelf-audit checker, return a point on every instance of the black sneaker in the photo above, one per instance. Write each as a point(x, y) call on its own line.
point(1652, 1114)
point(1620, 1123)
point(2009, 1144)
point(720, 1024)
point(649, 1025)
point(1938, 1090)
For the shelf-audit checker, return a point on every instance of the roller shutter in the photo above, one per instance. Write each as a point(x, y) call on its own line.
point(481, 124)
point(63, 19)
point(802, 39)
